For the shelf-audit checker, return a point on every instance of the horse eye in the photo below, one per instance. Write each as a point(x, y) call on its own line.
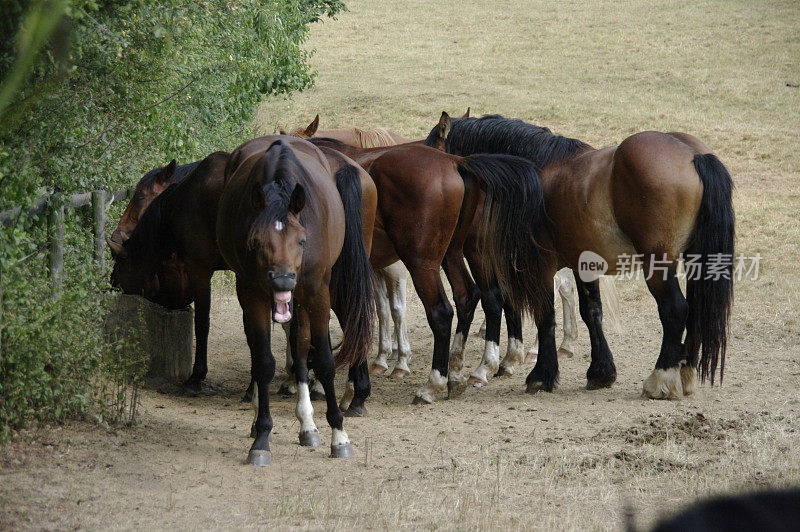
point(303, 242)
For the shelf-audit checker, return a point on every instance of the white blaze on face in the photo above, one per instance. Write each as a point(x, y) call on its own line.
point(283, 312)
point(278, 225)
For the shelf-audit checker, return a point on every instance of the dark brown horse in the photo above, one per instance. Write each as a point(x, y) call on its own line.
point(174, 291)
point(657, 196)
point(422, 195)
point(172, 248)
point(296, 231)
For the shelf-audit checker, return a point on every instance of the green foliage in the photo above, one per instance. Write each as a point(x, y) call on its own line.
point(122, 86)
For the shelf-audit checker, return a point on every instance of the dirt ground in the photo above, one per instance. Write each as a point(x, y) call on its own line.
point(494, 457)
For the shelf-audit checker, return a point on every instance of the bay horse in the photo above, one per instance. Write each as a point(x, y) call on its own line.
point(655, 195)
point(172, 247)
point(174, 288)
point(490, 296)
point(424, 196)
point(290, 226)
point(362, 138)
point(390, 296)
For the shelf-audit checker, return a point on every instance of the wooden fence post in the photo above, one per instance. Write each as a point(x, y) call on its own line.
point(99, 210)
point(56, 226)
point(1, 299)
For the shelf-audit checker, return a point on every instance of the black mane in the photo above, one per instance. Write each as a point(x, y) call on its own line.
point(181, 171)
point(149, 239)
point(288, 171)
point(497, 134)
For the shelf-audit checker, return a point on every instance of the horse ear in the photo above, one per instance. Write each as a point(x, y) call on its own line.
point(312, 127)
point(282, 131)
point(166, 173)
point(257, 197)
point(466, 115)
point(117, 249)
point(298, 199)
point(444, 125)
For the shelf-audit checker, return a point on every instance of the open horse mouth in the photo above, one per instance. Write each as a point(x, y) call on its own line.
point(282, 306)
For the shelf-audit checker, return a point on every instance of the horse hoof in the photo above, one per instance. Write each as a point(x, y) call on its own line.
point(377, 369)
point(565, 353)
point(343, 450)
point(530, 358)
point(286, 389)
point(247, 397)
point(314, 395)
point(504, 372)
point(398, 373)
point(194, 385)
point(537, 386)
point(421, 400)
point(605, 382)
point(310, 438)
point(477, 382)
point(258, 457)
point(455, 388)
point(355, 411)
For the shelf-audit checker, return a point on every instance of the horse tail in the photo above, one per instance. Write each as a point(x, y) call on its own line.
point(351, 275)
point(710, 293)
point(514, 219)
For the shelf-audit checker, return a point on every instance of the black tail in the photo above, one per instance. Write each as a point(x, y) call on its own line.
point(351, 276)
point(710, 292)
point(514, 221)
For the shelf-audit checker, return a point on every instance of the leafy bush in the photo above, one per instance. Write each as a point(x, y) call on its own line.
point(123, 86)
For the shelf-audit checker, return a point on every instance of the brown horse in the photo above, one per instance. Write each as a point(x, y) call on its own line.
point(290, 226)
point(174, 290)
point(362, 138)
point(654, 196)
point(172, 248)
point(422, 195)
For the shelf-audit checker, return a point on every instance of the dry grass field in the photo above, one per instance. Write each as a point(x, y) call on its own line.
point(495, 457)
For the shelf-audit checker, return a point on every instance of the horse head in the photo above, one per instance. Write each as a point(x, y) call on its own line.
point(151, 185)
point(276, 238)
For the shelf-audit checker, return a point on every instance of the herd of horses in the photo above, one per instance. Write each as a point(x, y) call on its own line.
point(313, 221)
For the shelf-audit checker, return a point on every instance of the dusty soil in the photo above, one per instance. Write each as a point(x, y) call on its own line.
point(492, 457)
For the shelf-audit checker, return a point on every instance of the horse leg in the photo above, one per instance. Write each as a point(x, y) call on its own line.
point(324, 370)
point(466, 296)
point(396, 286)
point(515, 351)
point(304, 411)
point(255, 316)
point(201, 286)
point(689, 371)
point(665, 380)
point(429, 287)
point(544, 375)
point(288, 386)
point(566, 289)
point(601, 373)
point(380, 364)
point(357, 391)
point(491, 298)
point(492, 303)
